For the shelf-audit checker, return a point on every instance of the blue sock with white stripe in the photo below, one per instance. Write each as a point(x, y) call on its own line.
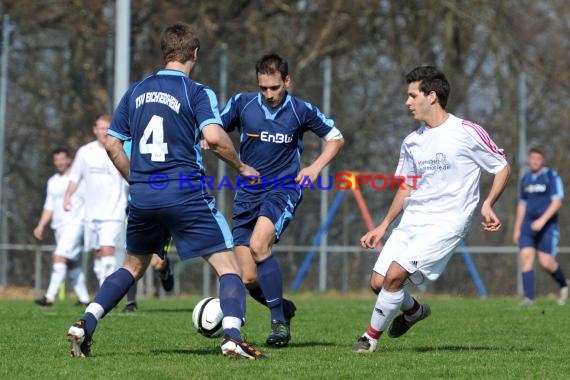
point(232, 302)
point(112, 291)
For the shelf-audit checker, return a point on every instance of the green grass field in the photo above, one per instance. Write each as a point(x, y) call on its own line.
point(464, 338)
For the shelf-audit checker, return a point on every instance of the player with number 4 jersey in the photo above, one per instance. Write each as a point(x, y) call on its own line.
point(165, 136)
point(164, 115)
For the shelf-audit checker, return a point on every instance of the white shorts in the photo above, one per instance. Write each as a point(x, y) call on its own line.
point(421, 250)
point(102, 234)
point(69, 239)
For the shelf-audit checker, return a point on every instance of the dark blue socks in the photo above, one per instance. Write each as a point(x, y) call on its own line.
point(559, 277)
point(232, 301)
point(112, 291)
point(257, 295)
point(271, 282)
point(528, 284)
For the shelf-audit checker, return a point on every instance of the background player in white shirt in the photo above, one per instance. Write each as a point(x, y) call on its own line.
point(68, 229)
point(448, 153)
point(105, 194)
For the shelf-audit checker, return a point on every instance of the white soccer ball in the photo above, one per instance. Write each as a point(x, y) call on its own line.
point(207, 317)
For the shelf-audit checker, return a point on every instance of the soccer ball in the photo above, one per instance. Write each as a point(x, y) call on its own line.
point(207, 317)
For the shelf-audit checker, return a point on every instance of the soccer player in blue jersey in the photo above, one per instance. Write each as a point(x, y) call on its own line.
point(159, 263)
point(271, 124)
point(536, 225)
point(164, 115)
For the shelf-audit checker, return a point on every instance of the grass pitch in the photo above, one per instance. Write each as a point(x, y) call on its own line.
point(463, 338)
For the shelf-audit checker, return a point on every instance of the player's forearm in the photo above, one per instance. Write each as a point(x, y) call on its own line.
point(397, 205)
point(331, 149)
point(552, 209)
point(114, 148)
point(224, 150)
point(499, 185)
point(44, 218)
point(71, 189)
point(521, 209)
point(219, 142)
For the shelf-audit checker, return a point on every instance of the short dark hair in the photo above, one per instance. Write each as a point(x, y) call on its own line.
point(178, 42)
point(272, 63)
point(431, 79)
point(536, 150)
point(103, 116)
point(60, 150)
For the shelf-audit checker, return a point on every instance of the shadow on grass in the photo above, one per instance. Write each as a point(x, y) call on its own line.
point(453, 348)
point(162, 310)
point(312, 344)
point(202, 351)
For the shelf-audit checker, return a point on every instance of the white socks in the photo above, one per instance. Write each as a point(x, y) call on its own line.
point(79, 286)
point(385, 309)
point(58, 273)
point(98, 269)
point(109, 263)
point(103, 267)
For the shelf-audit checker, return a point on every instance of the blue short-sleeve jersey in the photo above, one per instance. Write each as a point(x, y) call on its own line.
point(163, 116)
point(538, 190)
point(271, 138)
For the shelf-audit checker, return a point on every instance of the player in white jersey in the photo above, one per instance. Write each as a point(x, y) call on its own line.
point(442, 162)
point(68, 229)
point(105, 198)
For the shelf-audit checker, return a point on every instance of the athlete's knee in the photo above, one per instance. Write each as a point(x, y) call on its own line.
point(157, 263)
point(249, 280)
point(547, 262)
point(376, 282)
point(395, 278)
point(136, 265)
point(259, 250)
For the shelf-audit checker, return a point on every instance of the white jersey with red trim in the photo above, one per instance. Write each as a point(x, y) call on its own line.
point(449, 159)
point(105, 190)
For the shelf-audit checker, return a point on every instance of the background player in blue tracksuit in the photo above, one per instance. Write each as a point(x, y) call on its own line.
point(271, 124)
point(536, 225)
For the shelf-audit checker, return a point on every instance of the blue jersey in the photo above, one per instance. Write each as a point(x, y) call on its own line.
point(163, 116)
point(538, 190)
point(271, 138)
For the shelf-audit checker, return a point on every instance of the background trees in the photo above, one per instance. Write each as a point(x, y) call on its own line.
point(61, 76)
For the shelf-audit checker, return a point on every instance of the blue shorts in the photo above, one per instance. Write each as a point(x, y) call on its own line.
point(278, 205)
point(545, 240)
point(197, 227)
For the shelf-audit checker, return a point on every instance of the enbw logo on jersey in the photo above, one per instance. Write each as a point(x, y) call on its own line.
point(278, 138)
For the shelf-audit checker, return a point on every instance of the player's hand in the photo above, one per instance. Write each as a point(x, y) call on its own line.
point(372, 238)
point(516, 236)
point(537, 225)
point(252, 175)
point(67, 203)
point(490, 221)
point(307, 176)
point(204, 144)
point(39, 233)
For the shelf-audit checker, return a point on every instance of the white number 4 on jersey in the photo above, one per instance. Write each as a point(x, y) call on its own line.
point(158, 149)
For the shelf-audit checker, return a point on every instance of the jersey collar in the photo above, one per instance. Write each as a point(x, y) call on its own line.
point(171, 72)
point(272, 112)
